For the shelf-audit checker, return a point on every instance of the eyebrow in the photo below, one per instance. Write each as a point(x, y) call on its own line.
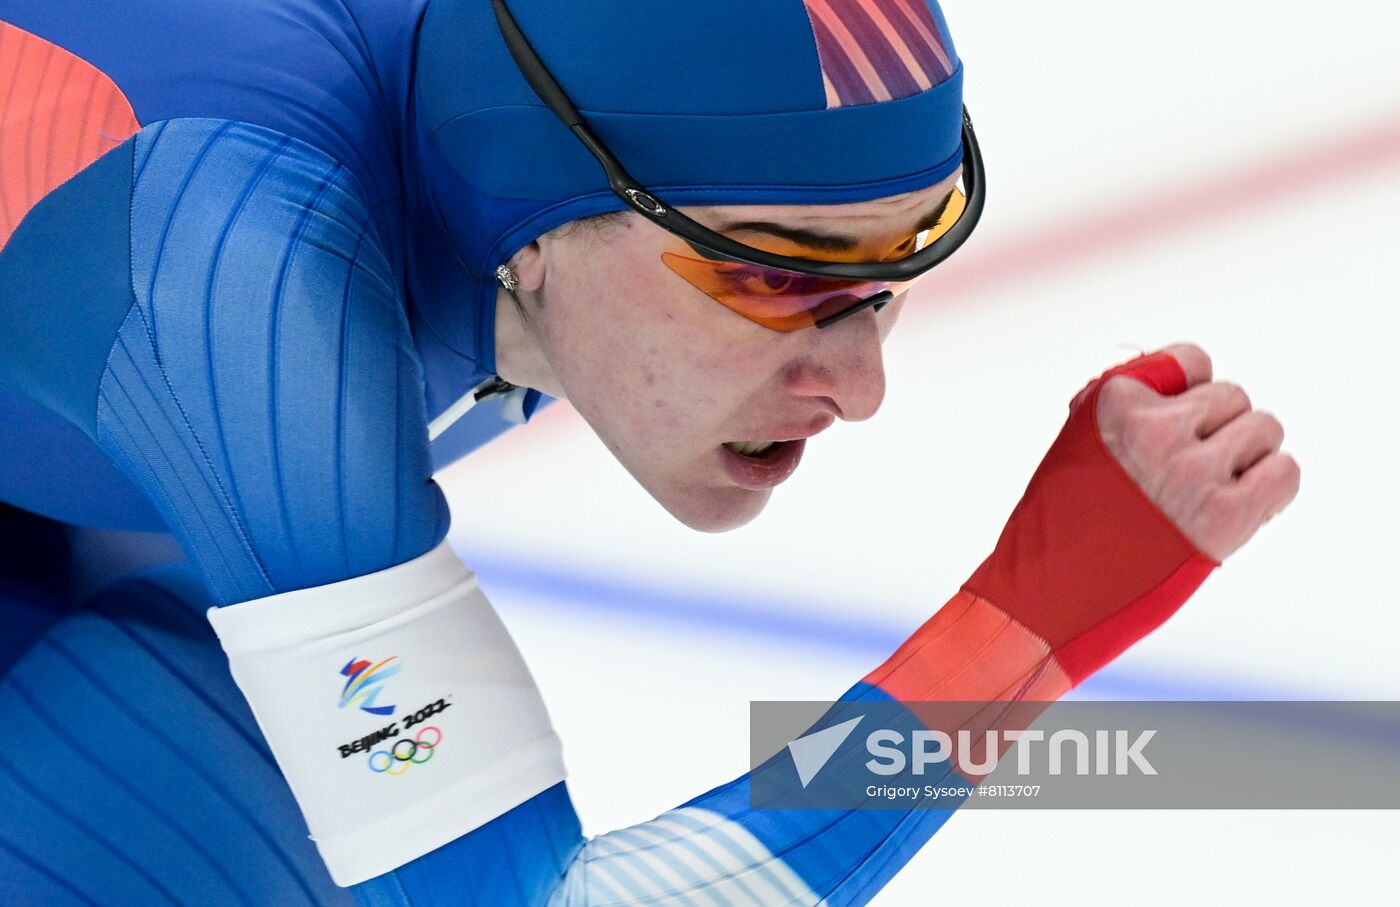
point(825, 242)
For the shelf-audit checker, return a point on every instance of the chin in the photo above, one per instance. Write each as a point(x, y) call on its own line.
point(714, 509)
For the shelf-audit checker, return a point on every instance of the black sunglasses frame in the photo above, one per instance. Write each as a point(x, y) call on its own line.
point(668, 218)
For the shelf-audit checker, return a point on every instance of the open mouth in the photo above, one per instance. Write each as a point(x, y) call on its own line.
point(759, 465)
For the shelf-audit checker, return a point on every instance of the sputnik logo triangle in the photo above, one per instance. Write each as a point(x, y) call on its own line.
point(812, 752)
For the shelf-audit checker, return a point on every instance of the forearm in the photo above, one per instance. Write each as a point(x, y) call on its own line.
point(718, 848)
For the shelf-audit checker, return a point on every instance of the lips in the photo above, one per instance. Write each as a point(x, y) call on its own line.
point(761, 473)
point(777, 463)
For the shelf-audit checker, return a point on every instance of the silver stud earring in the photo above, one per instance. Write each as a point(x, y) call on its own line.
point(507, 278)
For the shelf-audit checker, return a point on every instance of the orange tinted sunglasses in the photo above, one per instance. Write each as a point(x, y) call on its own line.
point(790, 301)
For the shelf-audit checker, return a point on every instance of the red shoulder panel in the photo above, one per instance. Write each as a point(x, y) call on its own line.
point(58, 114)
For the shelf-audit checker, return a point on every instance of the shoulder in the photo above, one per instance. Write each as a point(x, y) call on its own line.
point(208, 194)
point(210, 301)
point(185, 219)
point(246, 244)
point(263, 387)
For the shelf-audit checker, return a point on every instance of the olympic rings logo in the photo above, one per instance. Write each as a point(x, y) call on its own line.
point(405, 752)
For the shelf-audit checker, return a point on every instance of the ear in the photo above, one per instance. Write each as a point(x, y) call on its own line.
point(528, 265)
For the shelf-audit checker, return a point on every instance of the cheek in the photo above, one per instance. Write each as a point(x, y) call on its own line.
point(654, 366)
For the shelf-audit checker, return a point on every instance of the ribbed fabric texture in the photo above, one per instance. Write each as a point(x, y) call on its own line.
point(519, 858)
point(143, 779)
point(263, 390)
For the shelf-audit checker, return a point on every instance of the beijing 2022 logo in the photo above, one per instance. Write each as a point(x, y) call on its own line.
point(365, 683)
point(362, 688)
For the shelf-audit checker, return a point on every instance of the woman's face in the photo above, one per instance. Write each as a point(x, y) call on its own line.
point(667, 377)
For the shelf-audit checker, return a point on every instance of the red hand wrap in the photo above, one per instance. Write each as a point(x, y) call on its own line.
point(1088, 562)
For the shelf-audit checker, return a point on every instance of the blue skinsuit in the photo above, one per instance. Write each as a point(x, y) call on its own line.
point(338, 81)
point(233, 328)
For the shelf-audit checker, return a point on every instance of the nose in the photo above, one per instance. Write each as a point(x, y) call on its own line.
point(843, 366)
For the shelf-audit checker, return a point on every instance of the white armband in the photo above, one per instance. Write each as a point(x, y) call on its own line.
point(398, 708)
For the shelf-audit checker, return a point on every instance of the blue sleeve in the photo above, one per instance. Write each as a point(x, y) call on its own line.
point(718, 849)
point(262, 387)
point(212, 304)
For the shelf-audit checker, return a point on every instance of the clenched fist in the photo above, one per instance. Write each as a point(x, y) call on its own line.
point(1157, 476)
point(1204, 456)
